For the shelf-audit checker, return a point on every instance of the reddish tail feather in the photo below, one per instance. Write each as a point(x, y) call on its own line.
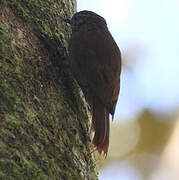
point(100, 124)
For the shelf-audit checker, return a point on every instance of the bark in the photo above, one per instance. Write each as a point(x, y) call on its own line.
point(44, 123)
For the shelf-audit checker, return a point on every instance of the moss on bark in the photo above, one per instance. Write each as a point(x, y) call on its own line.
point(44, 124)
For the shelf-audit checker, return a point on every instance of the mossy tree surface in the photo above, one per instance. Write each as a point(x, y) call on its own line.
point(44, 128)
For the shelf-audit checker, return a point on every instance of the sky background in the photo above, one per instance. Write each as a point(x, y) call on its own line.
point(147, 32)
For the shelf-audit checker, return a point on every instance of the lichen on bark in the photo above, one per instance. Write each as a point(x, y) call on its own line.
point(44, 124)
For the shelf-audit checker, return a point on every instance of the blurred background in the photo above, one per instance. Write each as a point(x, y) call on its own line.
point(144, 137)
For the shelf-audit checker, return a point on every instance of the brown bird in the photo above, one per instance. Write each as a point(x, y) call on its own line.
point(96, 65)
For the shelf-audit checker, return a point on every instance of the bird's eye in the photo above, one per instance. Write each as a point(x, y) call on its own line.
point(78, 20)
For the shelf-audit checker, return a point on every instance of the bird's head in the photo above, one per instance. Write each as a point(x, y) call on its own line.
point(85, 17)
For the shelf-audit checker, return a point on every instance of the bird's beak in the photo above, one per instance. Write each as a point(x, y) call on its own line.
point(68, 20)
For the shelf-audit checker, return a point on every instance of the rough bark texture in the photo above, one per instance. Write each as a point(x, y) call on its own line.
point(44, 124)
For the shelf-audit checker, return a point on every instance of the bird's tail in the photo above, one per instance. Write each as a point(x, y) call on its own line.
point(100, 124)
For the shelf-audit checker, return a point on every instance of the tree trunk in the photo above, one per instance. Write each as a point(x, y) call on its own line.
point(44, 123)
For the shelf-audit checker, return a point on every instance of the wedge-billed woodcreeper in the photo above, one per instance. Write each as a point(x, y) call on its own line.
point(96, 65)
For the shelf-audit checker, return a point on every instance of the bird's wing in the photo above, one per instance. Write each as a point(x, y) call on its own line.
point(97, 64)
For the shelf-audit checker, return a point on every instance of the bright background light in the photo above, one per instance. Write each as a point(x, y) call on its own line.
point(151, 28)
point(147, 33)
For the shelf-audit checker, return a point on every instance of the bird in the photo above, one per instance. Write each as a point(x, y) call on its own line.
point(95, 62)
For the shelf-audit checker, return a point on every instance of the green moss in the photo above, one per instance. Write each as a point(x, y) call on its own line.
point(21, 11)
point(2, 3)
point(43, 14)
point(44, 126)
